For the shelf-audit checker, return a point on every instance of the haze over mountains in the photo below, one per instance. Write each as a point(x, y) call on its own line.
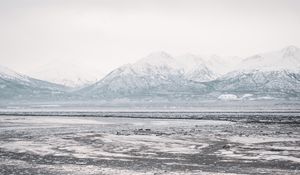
point(67, 73)
point(18, 86)
point(163, 77)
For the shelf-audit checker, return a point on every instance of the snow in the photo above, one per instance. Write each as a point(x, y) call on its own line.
point(92, 170)
point(222, 64)
point(261, 148)
point(190, 66)
point(189, 62)
point(195, 68)
point(58, 121)
point(228, 97)
point(160, 69)
point(287, 158)
point(247, 96)
point(154, 143)
point(29, 146)
point(252, 140)
point(266, 76)
point(285, 59)
point(10, 74)
point(116, 147)
point(155, 70)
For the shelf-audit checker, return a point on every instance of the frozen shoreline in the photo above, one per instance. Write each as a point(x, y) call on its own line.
point(114, 145)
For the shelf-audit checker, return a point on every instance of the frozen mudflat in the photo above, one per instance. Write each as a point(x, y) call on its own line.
point(148, 143)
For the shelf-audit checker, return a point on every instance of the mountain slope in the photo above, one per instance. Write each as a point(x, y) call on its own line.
point(17, 86)
point(162, 77)
point(222, 65)
point(280, 83)
point(285, 59)
point(194, 68)
point(275, 74)
point(158, 74)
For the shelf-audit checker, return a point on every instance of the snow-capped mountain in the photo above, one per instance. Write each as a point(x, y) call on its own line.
point(222, 65)
point(273, 83)
point(195, 68)
point(158, 73)
point(66, 73)
point(189, 66)
point(160, 76)
point(8, 74)
point(275, 74)
point(285, 59)
point(15, 85)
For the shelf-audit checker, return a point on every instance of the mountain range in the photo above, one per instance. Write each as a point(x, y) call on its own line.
point(14, 85)
point(163, 77)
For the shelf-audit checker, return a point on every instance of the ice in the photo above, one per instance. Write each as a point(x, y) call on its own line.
point(228, 97)
point(113, 145)
point(260, 139)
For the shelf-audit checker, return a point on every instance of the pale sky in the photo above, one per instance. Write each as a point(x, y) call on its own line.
point(109, 33)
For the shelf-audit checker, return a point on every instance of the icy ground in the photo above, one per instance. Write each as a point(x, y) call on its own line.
point(247, 144)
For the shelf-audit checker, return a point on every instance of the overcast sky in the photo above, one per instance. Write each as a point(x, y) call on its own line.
point(109, 33)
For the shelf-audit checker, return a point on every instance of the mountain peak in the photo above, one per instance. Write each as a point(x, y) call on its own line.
point(157, 59)
point(190, 62)
point(8, 73)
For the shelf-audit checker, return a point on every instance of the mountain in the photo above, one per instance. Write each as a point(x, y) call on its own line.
point(66, 73)
point(274, 74)
point(285, 59)
point(266, 83)
point(222, 65)
point(18, 86)
point(194, 68)
point(158, 74)
point(190, 77)
point(162, 77)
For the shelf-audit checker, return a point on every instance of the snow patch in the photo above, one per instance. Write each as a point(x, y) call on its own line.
point(228, 97)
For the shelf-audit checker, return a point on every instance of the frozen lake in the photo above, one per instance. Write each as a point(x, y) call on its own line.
point(149, 143)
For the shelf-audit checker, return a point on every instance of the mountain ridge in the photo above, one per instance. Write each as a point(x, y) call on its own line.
point(14, 85)
point(187, 77)
point(262, 75)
